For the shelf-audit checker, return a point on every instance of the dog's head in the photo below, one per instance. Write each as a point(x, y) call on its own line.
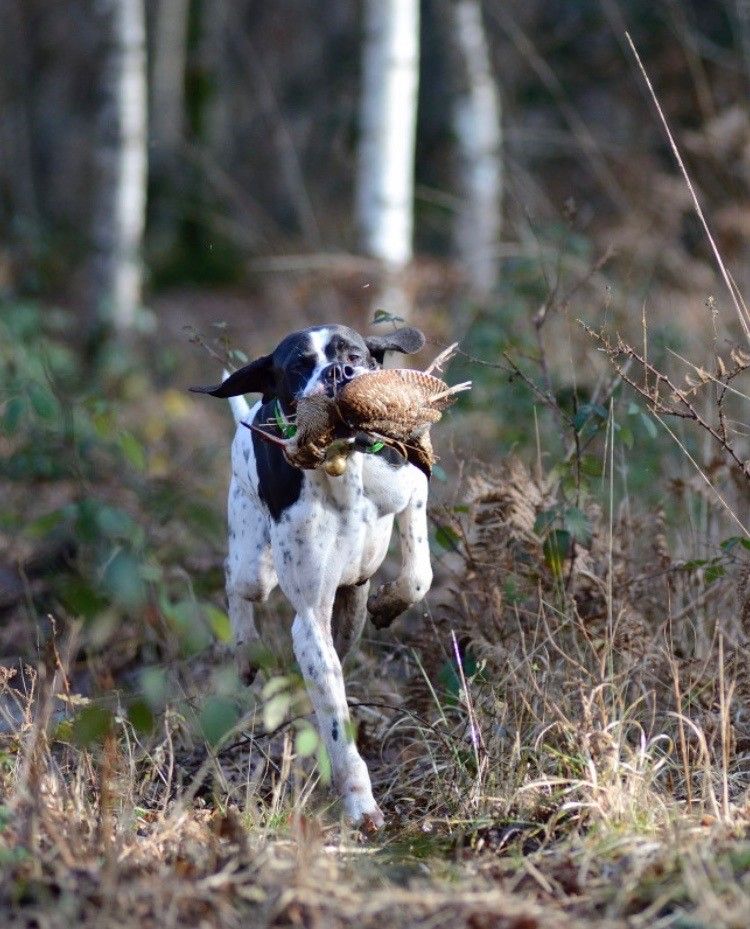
point(315, 360)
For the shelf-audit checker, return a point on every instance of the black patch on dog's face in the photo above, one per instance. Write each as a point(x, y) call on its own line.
point(297, 358)
point(348, 347)
point(294, 361)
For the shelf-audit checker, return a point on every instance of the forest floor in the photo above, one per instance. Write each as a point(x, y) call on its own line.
point(562, 815)
point(559, 738)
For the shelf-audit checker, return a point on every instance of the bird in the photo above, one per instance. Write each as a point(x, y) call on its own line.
point(396, 407)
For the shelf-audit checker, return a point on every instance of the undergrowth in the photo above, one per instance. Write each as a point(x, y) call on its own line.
point(561, 739)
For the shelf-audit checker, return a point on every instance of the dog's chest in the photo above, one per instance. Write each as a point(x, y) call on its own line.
point(354, 512)
point(369, 484)
point(321, 523)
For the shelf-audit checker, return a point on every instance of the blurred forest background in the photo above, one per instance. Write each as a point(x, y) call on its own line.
point(183, 182)
point(247, 125)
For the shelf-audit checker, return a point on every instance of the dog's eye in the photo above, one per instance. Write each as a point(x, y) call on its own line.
point(353, 358)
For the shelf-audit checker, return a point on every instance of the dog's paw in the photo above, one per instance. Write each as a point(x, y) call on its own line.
point(364, 813)
point(385, 605)
point(372, 822)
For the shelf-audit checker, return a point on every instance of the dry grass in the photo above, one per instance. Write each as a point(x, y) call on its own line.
point(585, 762)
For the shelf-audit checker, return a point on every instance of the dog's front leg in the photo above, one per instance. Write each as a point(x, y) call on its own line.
point(320, 665)
point(415, 576)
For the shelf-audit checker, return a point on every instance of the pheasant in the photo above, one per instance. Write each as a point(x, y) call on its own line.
point(395, 407)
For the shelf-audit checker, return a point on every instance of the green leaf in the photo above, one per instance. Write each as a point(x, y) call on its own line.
point(141, 717)
point(275, 710)
point(14, 411)
point(80, 599)
point(282, 423)
point(45, 524)
point(438, 472)
point(187, 619)
point(123, 582)
point(132, 450)
point(713, 573)
point(218, 716)
point(154, 686)
point(591, 466)
point(586, 412)
point(103, 424)
point(447, 537)
point(219, 622)
point(449, 677)
point(306, 742)
point(578, 525)
point(43, 400)
point(151, 571)
point(626, 436)
point(376, 447)
point(556, 549)
point(649, 425)
point(115, 523)
point(733, 541)
point(275, 686)
point(63, 731)
point(91, 724)
point(6, 816)
point(324, 763)
point(546, 519)
point(381, 316)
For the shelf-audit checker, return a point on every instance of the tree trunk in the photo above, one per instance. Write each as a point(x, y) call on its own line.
point(476, 122)
point(388, 118)
point(168, 78)
point(19, 209)
point(121, 158)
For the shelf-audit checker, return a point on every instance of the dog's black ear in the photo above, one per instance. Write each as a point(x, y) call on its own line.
point(255, 378)
point(406, 340)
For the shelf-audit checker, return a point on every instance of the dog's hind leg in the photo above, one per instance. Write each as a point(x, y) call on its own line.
point(348, 617)
point(415, 577)
point(250, 575)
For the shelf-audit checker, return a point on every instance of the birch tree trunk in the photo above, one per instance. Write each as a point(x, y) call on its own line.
point(388, 119)
point(168, 77)
point(477, 125)
point(121, 161)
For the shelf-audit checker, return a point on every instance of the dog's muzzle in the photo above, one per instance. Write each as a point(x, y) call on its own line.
point(335, 375)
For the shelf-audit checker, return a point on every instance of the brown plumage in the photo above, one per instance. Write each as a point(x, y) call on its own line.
point(316, 426)
point(400, 404)
point(395, 406)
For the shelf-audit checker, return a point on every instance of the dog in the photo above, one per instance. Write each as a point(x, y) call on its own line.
point(321, 538)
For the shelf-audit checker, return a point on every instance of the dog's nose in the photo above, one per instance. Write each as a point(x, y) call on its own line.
point(337, 373)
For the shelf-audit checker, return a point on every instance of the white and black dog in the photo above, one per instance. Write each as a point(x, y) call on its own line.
point(321, 538)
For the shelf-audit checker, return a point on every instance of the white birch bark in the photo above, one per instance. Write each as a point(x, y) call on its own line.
point(122, 165)
point(477, 125)
point(388, 119)
point(168, 77)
